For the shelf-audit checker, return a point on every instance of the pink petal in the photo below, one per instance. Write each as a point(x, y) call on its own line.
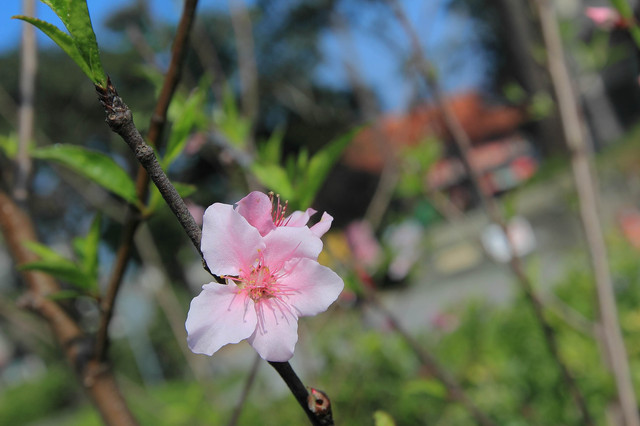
point(299, 218)
point(217, 317)
point(256, 208)
point(276, 334)
point(285, 243)
point(229, 243)
point(320, 228)
point(315, 287)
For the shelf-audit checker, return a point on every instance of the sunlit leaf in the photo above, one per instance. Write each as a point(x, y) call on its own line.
point(80, 44)
point(62, 39)
point(189, 116)
point(92, 242)
point(382, 418)
point(319, 167)
point(43, 251)
point(9, 145)
point(64, 270)
point(274, 178)
point(93, 165)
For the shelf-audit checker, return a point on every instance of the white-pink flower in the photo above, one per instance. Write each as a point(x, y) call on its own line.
point(272, 277)
point(259, 210)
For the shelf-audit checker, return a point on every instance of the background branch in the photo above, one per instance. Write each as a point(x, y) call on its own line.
point(28, 69)
point(463, 143)
point(577, 140)
point(95, 377)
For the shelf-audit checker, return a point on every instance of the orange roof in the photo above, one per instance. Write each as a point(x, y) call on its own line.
point(375, 143)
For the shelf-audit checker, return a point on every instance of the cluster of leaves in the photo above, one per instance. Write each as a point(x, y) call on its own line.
point(80, 44)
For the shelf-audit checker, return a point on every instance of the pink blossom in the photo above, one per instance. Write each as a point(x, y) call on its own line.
point(272, 278)
point(260, 212)
point(604, 17)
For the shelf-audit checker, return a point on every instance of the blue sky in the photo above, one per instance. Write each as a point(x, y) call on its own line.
point(380, 61)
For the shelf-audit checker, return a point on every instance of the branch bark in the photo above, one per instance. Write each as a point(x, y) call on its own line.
point(578, 142)
point(158, 121)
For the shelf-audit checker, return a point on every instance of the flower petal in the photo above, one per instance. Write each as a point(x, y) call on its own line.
point(229, 242)
point(299, 218)
point(285, 243)
point(276, 334)
point(313, 287)
point(256, 208)
point(218, 316)
point(320, 228)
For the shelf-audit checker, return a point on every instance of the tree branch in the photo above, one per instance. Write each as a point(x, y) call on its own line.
point(463, 143)
point(96, 377)
point(577, 140)
point(158, 120)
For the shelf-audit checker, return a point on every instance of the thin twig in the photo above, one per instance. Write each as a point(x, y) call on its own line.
point(306, 400)
point(463, 143)
point(156, 126)
point(454, 389)
point(120, 120)
point(578, 142)
point(251, 378)
point(28, 68)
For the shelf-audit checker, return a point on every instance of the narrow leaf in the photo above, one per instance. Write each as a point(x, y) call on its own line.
point(190, 115)
point(44, 252)
point(63, 270)
point(319, 167)
point(93, 165)
point(78, 22)
point(62, 39)
point(274, 178)
point(92, 241)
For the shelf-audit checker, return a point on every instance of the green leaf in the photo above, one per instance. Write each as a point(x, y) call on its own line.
point(270, 152)
point(56, 265)
point(318, 168)
point(382, 418)
point(93, 165)
point(80, 44)
point(230, 123)
point(90, 256)
point(9, 145)
point(62, 39)
point(43, 252)
point(64, 270)
point(189, 114)
point(274, 178)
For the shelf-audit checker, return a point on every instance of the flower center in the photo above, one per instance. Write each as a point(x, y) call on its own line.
point(259, 283)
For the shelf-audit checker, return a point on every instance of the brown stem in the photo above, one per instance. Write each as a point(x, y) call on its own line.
point(158, 120)
point(318, 414)
point(96, 378)
point(463, 143)
point(578, 142)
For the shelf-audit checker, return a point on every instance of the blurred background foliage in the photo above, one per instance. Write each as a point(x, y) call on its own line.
point(289, 135)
